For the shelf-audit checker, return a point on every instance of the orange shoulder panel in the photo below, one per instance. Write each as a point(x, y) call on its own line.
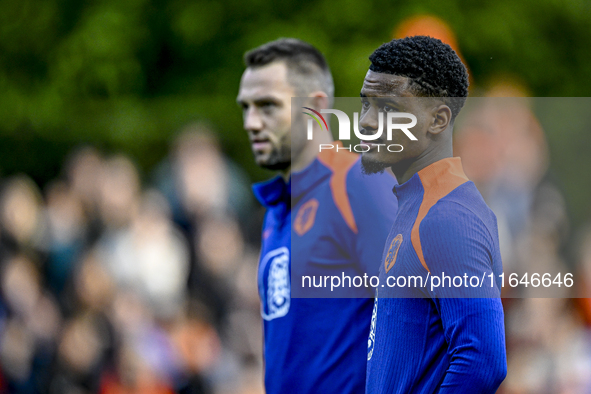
point(340, 163)
point(438, 179)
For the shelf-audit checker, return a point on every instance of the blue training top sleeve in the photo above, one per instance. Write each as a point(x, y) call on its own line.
point(457, 243)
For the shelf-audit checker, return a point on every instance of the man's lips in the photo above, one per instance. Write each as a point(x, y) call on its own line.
point(260, 144)
point(371, 144)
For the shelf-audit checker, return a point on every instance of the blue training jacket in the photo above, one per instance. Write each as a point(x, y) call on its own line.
point(340, 223)
point(448, 338)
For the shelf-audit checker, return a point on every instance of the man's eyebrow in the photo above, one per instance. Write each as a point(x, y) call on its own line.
point(258, 100)
point(372, 96)
point(264, 99)
point(361, 94)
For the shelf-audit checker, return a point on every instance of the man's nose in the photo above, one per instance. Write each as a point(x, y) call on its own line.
point(369, 120)
point(252, 120)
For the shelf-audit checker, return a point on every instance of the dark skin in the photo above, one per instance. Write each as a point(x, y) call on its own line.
point(387, 93)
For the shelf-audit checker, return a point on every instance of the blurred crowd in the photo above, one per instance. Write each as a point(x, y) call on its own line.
point(113, 285)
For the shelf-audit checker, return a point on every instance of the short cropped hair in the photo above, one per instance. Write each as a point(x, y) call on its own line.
point(433, 67)
point(307, 68)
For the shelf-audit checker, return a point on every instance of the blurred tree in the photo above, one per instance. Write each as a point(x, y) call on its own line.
point(125, 75)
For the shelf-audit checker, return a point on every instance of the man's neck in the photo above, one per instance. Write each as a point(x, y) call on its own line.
point(406, 169)
point(285, 174)
point(308, 154)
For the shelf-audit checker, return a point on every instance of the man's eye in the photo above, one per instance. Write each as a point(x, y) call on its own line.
point(388, 108)
point(365, 104)
point(268, 108)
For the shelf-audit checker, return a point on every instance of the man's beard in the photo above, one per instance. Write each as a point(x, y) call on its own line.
point(279, 159)
point(276, 166)
point(369, 166)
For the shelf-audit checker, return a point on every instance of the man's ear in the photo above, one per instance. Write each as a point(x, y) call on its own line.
point(441, 119)
point(319, 99)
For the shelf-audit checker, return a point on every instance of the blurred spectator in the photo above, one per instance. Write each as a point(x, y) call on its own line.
point(83, 170)
point(81, 353)
point(504, 152)
point(149, 256)
point(199, 181)
point(583, 256)
point(21, 215)
point(135, 376)
point(27, 343)
point(118, 192)
point(66, 235)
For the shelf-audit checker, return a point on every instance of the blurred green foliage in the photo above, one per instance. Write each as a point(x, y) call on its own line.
point(125, 75)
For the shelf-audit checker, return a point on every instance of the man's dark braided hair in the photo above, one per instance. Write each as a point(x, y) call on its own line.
point(434, 68)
